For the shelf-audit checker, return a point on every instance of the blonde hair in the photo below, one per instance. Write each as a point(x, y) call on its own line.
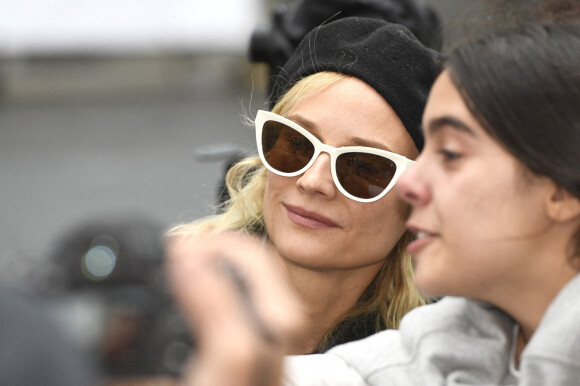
point(392, 292)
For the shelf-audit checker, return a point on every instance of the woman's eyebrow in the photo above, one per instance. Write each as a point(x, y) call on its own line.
point(358, 141)
point(437, 124)
point(353, 140)
point(305, 123)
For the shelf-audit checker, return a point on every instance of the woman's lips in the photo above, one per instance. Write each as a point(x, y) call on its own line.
point(307, 219)
point(423, 238)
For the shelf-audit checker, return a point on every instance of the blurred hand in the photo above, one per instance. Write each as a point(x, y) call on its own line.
point(239, 306)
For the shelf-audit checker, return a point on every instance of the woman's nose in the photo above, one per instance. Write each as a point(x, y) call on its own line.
point(412, 188)
point(318, 178)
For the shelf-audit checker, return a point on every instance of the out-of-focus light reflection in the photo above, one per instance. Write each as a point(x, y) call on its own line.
point(175, 355)
point(100, 260)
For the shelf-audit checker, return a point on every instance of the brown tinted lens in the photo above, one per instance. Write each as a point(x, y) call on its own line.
point(284, 148)
point(364, 175)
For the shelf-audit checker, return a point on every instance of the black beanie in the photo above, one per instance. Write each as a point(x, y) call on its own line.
point(384, 55)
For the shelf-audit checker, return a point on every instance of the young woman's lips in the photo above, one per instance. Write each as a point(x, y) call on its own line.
point(423, 238)
point(307, 219)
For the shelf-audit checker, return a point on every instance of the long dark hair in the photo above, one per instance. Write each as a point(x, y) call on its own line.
point(523, 86)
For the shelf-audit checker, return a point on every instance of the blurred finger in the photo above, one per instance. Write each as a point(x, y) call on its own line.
point(239, 306)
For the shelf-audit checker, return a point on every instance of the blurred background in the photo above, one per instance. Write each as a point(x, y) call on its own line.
point(117, 120)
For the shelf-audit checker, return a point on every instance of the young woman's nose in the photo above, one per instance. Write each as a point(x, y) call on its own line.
point(318, 178)
point(412, 188)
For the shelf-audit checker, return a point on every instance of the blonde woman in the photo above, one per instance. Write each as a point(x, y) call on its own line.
point(343, 126)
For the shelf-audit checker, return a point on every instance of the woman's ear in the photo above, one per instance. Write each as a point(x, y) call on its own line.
point(562, 206)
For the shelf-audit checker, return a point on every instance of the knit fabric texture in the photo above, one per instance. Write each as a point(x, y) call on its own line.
point(384, 55)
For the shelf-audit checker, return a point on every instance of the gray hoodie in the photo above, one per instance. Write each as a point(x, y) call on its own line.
point(456, 341)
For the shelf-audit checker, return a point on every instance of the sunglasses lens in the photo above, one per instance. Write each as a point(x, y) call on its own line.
point(285, 149)
point(364, 175)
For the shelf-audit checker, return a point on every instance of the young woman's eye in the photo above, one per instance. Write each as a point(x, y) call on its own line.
point(449, 155)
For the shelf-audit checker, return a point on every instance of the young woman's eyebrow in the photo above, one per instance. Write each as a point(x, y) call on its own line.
point(438, 124)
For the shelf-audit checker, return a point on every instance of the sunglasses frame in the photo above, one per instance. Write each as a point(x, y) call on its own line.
point(401, 162)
